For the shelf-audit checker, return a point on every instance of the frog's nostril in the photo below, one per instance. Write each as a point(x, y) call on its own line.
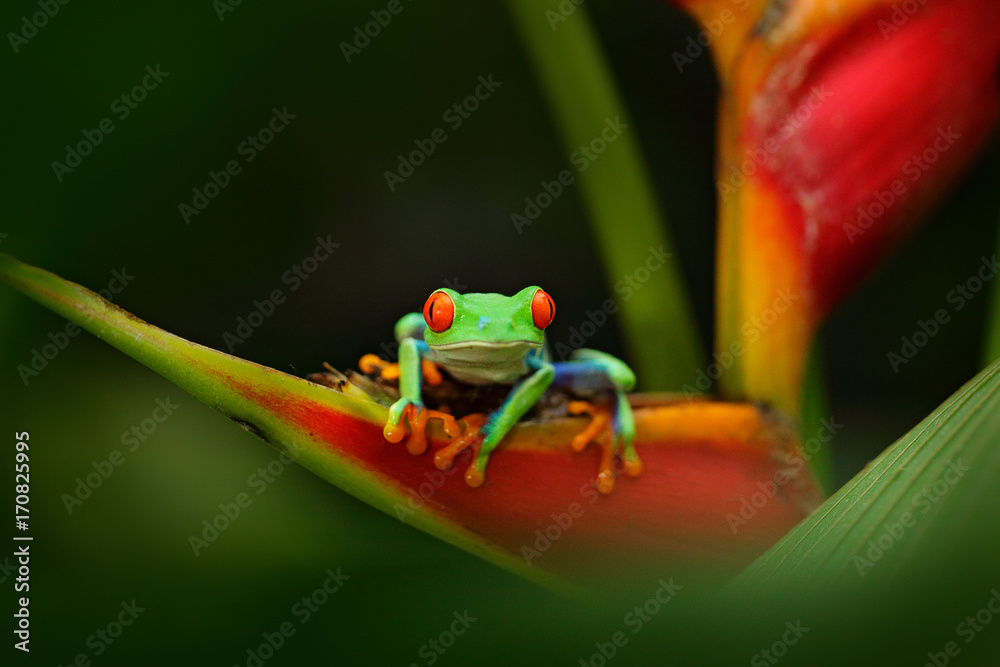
point(483, 321)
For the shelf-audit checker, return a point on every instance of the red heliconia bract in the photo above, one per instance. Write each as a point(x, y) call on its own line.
point(841, 123)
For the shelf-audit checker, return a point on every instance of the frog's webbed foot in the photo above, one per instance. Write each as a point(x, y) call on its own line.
point(417, 416)
point(472, 436)
point(613, 440)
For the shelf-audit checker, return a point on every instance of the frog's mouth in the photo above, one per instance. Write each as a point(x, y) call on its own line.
point(485, 362)
point(487, 345)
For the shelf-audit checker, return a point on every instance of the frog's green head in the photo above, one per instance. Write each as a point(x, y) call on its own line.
point(483, 323)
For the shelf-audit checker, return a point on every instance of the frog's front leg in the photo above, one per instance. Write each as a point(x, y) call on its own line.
point(410, 379)
point(523, 397)
point(410, 404)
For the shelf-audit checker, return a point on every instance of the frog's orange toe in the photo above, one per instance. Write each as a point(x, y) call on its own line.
point(451, 427)
point(444, 457)
point(394, 432)
point(599, 422)
point(432, 375)
point(371, 364)
point(417, 417)
point(474, 477)
point(601, 431)
point(633, 468)
point(606, 481)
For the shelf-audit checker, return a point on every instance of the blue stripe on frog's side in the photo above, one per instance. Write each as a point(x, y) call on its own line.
point(582, 376)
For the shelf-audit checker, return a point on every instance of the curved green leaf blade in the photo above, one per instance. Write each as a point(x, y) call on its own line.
point(927, 504)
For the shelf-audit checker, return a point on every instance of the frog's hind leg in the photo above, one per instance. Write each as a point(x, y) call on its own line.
point(605, 379)
point(591, 369)
point(598, 431)
point(624, 427)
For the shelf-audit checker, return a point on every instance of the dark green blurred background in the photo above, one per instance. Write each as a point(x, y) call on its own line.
point(323, 175)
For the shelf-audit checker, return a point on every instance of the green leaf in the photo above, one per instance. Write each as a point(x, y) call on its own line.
point(657, 318)
point(927, 504)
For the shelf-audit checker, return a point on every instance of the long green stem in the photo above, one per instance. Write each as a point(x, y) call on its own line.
point(655, 313)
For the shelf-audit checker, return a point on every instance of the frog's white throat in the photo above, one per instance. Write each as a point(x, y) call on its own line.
point(485, 362)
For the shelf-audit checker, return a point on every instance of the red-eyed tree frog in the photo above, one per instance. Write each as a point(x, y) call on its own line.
point(494, 339)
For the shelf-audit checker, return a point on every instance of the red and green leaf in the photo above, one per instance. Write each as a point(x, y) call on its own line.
point(538, 514)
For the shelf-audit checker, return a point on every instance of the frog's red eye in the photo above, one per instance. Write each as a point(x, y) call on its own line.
point(439, 311)
point(543, 309)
